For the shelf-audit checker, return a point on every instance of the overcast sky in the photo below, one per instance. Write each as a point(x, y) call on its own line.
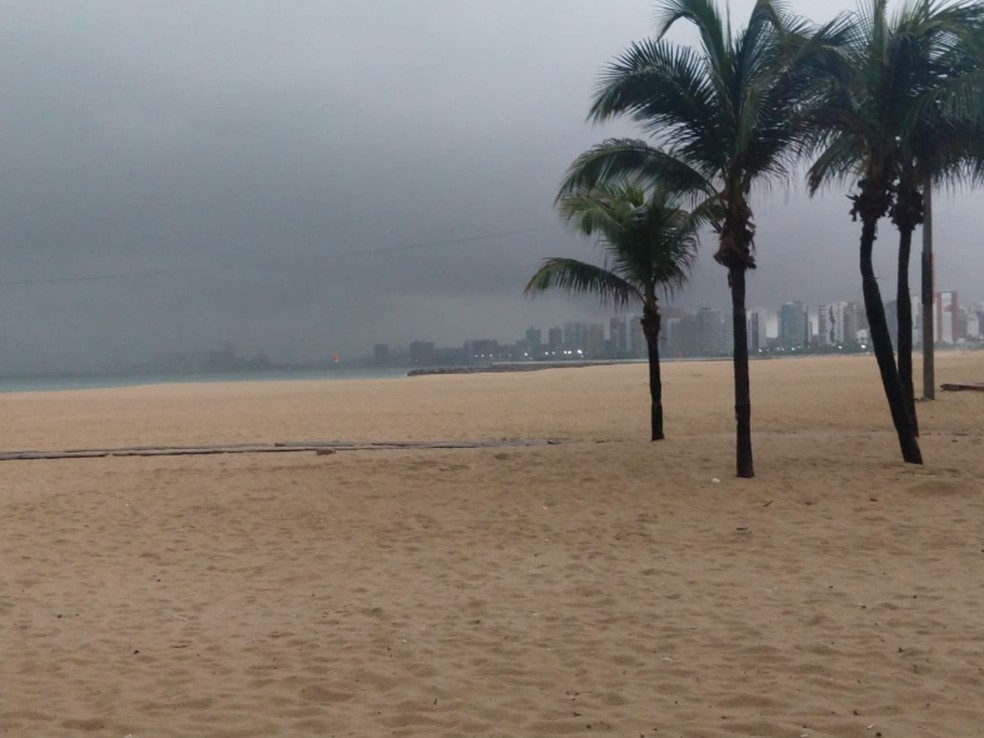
point(308, 177)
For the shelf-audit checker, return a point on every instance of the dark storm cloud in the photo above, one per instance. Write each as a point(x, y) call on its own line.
point(279, 158)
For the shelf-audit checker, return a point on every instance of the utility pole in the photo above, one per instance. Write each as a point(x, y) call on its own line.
point(928, 329)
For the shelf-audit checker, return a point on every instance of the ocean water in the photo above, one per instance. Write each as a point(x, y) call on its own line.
point(94, 381)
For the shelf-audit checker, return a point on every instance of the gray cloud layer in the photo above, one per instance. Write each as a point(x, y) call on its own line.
point(267, 151)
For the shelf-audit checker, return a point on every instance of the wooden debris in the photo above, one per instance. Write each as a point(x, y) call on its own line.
point(962, 386)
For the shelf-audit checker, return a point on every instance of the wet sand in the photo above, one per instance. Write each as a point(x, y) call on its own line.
point(604, 585)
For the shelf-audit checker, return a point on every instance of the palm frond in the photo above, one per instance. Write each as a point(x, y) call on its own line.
point(577, 277)
point(713, 30)
point(665, 88)
point(621, 160)
point(605, 208)
point(839, 161)
point(906, 99)
point(649, 242)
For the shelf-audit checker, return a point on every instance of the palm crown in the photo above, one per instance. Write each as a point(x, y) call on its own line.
point(719, 119)
point(902, 97)
point(650, 246)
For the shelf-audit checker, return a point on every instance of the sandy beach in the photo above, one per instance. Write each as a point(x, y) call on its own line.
point(602, 585)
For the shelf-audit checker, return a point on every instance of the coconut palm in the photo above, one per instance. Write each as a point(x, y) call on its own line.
point(650, 246)
point(943, 139)
point(891, 113)
point(721, 119)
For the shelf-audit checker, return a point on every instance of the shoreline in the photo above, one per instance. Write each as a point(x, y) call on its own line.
point(75, 383)
point(13, 385)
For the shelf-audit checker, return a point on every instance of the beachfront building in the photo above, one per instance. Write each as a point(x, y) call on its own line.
point(825, 326)
point(919, 321)
point(680, 333)
point(728, 333)
point(757, 338)
point(849, 322)
point(892, 318)
point(594, 341)
point(482, 349)
point(380, 354)
point(975, 322)
point(839, 323)
point(710, 332)
point(618, 337)
point(637, 339)
point(947, 318)
point(971, 327)
point(575, 336)
point(555, 341)
point(422, 353)
point(533, 348)
point(793, 326)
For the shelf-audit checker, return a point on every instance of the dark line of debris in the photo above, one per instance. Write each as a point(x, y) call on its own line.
point(319, 447)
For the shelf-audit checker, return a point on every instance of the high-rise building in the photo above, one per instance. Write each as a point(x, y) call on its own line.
point(757, 329)
point(619, 337)
point(947, 310)
point(975, 321)
point(892, 318)
point(793, 324)
point(680, 336)
point(728, 333)
point(380, 354)
point(825, 325)
point(846, 328)
point(575, 335)
point(973, 330)
point(919, 319)
point(669, 337)
point(594, 341)
point(422, 353)
point(533, 347)
point(962, 317)
point(710, 332)
point(555, 340)
point(637, 339)
point(482, 349)
point(860, 318)
point(838, 323)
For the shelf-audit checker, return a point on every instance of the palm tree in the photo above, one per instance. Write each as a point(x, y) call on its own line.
point(895, 109)
point(720, 119)
point(942, 139)
point(650, 246)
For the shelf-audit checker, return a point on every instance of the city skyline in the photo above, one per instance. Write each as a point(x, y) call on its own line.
point(705, 332)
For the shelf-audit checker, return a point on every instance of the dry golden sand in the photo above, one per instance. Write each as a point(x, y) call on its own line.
point(607, 585)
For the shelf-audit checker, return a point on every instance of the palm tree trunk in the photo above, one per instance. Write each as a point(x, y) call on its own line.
point(929, 362)
point(904, 309)
point(650, 328)
point(881, 341)
point(743, 401)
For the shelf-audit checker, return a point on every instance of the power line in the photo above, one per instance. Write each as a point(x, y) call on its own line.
point(277, 262)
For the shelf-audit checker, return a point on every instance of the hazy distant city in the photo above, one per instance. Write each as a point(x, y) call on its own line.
point(836, 327)
point(793, 329)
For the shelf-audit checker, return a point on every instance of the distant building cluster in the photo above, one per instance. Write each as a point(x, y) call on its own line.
point(953, 325)
point(226, 359)
point(705, 333)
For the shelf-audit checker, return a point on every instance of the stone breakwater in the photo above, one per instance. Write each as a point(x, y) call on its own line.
point(497, 368)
